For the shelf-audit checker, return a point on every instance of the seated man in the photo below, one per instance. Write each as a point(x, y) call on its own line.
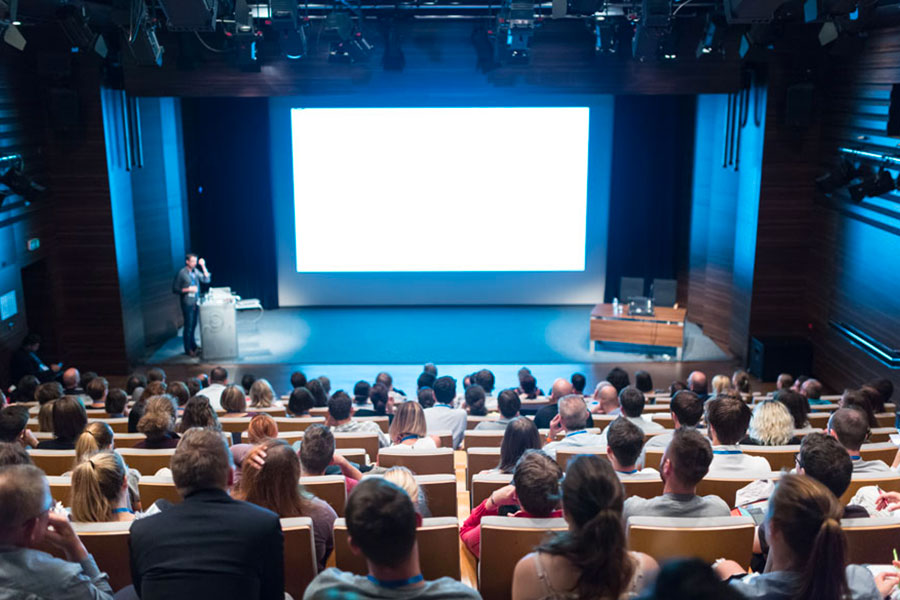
point(26, 524)
point(632, 401)
point(442, 416)
point(97, 389)
point(625, 441)
point(812, 389)
point(509, 403)
point(14, 426)
point(572, 414)
point(607, 400)
point(686, 409)
point(850, 427)
point(728, 418)
point(535, 488)
point(697, 383)
point(684, 463)
point(381, 522)
point(209, 545)
point(71, 380)
point(340, 419)
point(317, 457)
point(545, 414)
point(116, 401)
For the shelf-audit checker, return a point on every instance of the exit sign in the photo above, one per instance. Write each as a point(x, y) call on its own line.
point(33, 244)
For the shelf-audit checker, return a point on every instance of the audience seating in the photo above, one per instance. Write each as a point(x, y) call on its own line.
point(299, 555)
point(60, 488)
point(108, 544)
point(649, 486)
point(128, 440)
point(446, 438)
point(118, 425)
point(318, 411)
point(664, 419)
point(779, 457)
point(330, 488)
point(885, 419)
point(53, 462)
point(819, 420)
point(726, 487)
point(472, 421)
point(880, 435)
point(440, 494)
point(272, 411)
point(829, 408)
point(664, 538)
point(478, 460)
point(147, 462)
point(565, 454)
point(382, 422)
point(366, 441)
point(291, 423)
point(884, 451)
point(354, 455)
point(289, 436)
point(656, 409)
point(872, 540)
point(889, 482)
point(420, 462)
point(505, 540)
point(483, 439)
point(653, 457)
point(484, 485)
point(155, 488)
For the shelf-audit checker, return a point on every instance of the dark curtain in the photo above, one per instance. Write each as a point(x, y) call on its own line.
point(226, 155)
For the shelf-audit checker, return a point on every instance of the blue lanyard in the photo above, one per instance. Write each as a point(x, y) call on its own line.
point(442, 404)
point(408, 437)
point(122, 510)
point(396, 583)
point(632, 472)
point(576, 433)
point(728, 451)
point(857, 457)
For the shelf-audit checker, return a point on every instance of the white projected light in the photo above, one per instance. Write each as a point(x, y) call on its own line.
point(440, 189)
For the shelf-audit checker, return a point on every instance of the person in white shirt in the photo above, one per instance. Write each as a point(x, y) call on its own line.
point(607, 399)
point(407, 430)
point(728, 418)
point(573, 413)
point(632, 401)
point(686, 409)
point(851, 428)
point(625, 440)
point(218, 380)
point(442, 416)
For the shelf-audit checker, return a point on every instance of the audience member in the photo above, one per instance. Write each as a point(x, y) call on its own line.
point(697, 383)
point(798, 382)
point(572, 414)
point(116, 401)
point(520, 436)
point(721, 384)
point(172, 555)
point(13, 454)
point(135, 381)
point(156, 374)
point(320, 398)
point(528, 387)
point(442, 416)
point(632, 401)
point(686, 409)
point(425, 397)
point(298, 379)
point(179, 391)
point(475, 401)
point(158, 424)
point(741, 382)
point(47, 392)
point(431, 369)
point(625, 441)
point(218, 379)
point(154, 388)
point(14, 427)
point(194, 385)
point(619, 379)
point(26, 524)
point(690, 579)
point(71, 382)
point(784, 381)
point(885, 389)
point(97, 389)
point(26, 389)
point(100, 489)
point(247, 380)
point(727, 418)
point(425, 380)
point(409, 427)
point(233, 401)
point(69, 420)
point(685, 462)
point(261, 393)
point(643, 381)
point(544, 415)
point(485, 379)
point(534, 488)
point(317, 456)
point(387, 381)
point(381, 401)
point(509, 403)
point(198, 412)
point(591, 559)
point(340, 419)
point(797, 405)
point(96, 436)
point(300, 402)
point(812, 389)
point(406, 481)
point(261, 428)
point(771, 425)
point(25, 361)
point(850, 427)
point(607, 399)
point(859, 400)
point(361, 395)
point(579, 382)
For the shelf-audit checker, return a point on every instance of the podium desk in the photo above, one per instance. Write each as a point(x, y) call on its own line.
point(218, 327)
point(663, 329)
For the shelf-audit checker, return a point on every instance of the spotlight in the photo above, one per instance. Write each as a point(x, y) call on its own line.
point(144, 46)
point(293, 42)
point(74, 23)
point(291, 32)
point(712, 41)
point(656, 13)
point(608, 34)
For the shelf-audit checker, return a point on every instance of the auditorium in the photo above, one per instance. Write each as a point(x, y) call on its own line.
point(307, 300)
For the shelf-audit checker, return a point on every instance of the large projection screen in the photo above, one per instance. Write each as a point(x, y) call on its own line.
point(441, 204)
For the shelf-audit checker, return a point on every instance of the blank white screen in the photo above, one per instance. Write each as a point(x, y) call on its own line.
point(440, 189)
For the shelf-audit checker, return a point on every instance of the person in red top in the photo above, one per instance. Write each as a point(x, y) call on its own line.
point(535, 489)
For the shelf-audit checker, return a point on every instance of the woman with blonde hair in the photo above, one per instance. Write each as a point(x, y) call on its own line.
point(720, 385)
point(406, 481)
point(96, 436)
point(100, 489)
point(408, 428)
point(158, 423)
point(771, 425)
point(261, 394)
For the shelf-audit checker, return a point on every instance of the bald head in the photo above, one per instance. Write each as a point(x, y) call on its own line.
point(70, 378)
point(607, 396)
point(561, 388)
point(697, 382)
point(573, 412)
point(24, 495)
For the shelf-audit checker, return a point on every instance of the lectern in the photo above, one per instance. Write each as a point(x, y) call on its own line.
point(218, 326)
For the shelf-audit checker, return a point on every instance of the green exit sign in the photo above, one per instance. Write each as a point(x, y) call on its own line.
point(33, 244)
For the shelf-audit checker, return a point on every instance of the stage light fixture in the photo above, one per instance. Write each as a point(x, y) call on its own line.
point(14, 37)
point(144, 46)
point(656, 13)
point(515, 28)
point(713, 39)
point(749, 12)
point(75, 24)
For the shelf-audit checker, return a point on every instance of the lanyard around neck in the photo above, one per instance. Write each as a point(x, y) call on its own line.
point(395, 583)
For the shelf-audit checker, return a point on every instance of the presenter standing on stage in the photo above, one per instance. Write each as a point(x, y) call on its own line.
point(187, 285)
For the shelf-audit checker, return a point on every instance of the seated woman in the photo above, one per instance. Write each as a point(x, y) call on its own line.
point(260, 430)
point(100, 489)
point(520, 436)
point(807, 550)
point(261, 394)
point(591, 559)
point(234, 402)
point(771, 425)
point(69, 420)
point(740, 381)
point(96, 437)
point(406, 481)
point(721, 385)
point(408, 429)
point(300, 402)
point(274, 486)
point(797, 405)
point(198, 412)
point(158, 424)
point(382, 403)
point(475, 401)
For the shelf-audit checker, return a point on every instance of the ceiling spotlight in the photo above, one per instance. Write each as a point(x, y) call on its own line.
point(515, 28)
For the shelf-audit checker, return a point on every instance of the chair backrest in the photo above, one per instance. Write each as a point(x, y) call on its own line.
point(60, 488)
point(438, 541)
point(829, 408)
point(330, 488)
point(272, 411)
point(53, 462)
point(653, 457)
point(383, 422)
point(446, 438)
point(726, 487)
point(708, 539)
point(319, 411)
point(484, 439)
point(420, 462)
point(440, 494)
point(630, 287)
point(472, 421)
point(564, 455)
point(118, 425)
point(485, 485)
point(478, 460)
point(885, 419)
point(530, 407)
point(235, 424)
point(300, 566)
point(505, 540)
point(108, 544)
point(871, 541)
point(295, 423)
point(879, 435)
point(664, 292)
point(779, 457)
point(147, 462)
point(157, 488)
point(356, 455)
point(642, 487)
point(885, 451)
point(366, 441)
point(819, 420)
point(888, 481)
point(128, 440)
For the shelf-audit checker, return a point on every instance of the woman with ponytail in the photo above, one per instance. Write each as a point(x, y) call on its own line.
point(807, 551)
point(96, 436)
point(590, 560)
point(100, 489)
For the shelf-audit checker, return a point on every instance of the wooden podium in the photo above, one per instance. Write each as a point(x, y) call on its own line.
point(665, 328)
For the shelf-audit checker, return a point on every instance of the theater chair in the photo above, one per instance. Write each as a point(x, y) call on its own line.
point(880, 435)
point(472, 421)
point(356, 455)
point(60, 488)
point(299, 555)
point(885, 419)
point(889, 482)
point(128, 440)
point(147, 462)
point(663, 418)
point(708, 539)
point(108, 544)
point(649, 486)
point(505, 540)
point(478, 460)
point(779, 457)
point(827, 408)
point(157, 488)
point(440, 494)
point(564, 455)
point(420, 462)
point(438, 540)
point(726, 487)
point(871, 541)
point(485, 485)
point(118, 425)
point(318, 411)
point(818, 420)
point(272, 411)
point(330, 488)
point(884, 451)
point(366, 441)
point(653, 457)
point(53, 462)
point(382, 422)
point(293, 423)
point(236, 424)
point(483, 439)
point(289, 436)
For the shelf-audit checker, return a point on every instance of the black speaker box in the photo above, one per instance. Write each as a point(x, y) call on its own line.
point(770, 356)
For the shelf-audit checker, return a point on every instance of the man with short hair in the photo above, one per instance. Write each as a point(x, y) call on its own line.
point(545, 415)
point(26, 524)
point(607, 399)
point(697, 384)
point(97, 389)
point(116, 400)
point(535, 488)
point(218, 380)
point(812, 389)
point(187, 286)
point(298, 379)
point(685, 462)
point(618, 378)
point(381, 522)
point(625, 441)
point(850, 427)
point(14, 427)
point(385, 379)
point(784, 381)
point(209, 545)
point(578, 382)
point(442, 416)
point(317, 457)
point(509, 403)
point(425, 380)
point(70, 380)
point(340, 419)
point(686, 409)
point(632, 401)
point(156, 374)
point(571, 418)
point(728, 418)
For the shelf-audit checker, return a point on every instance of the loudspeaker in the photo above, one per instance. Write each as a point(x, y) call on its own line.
point(770, 356)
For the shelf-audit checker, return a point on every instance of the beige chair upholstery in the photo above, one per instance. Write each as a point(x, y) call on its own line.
point(483, 439)
point(505, 540)
point(653, 457)
point(118, 425)
point(53, 462)
point(420, 462)
point(726, 487)
point(779, 457)
point(484, 485)
point(289, 436)
point(272, 411)
point(872, 540)
point(819, 420)
point(642, 486)
point(366, 441)
point(446, 438)
point(128, 440)
point(440, 494)
point(60, 488)
point(295, 423)
point(478, 460)
point(827, 408)
point(356, 455)
point(157, 488)
point(889, 482)
point(382, 422)
point(884, 451)
point(318, 411)
point(108, 543)
point(472, 421)
point(885, 419)
point(664, 538)
point(147, 462)
point(299, 555)
point(879, 435)
point(236, 424)
point(663, 418)
point(564, 455)
point(330, 488)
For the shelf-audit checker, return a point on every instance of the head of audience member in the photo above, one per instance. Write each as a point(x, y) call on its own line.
point(261, 428)
point(425, 380)
point(154, 388)
point(685, 461)
point(298, 379)
point(528, 385)
point(784, 381)
point(798, 382)
point(380, 398)
point(159, 417)
point(520, 435)
point(608, 397)
point(858, 399)
point(475, 400)
point(797, 405)
point(71, 378)
point(425, 396)
point(536, 479)
point(643, 381)
point(509, 403)
point(199, 413)
point(560, 388)
point(13, 454)
point(218, 375)
point(885, 389)
point(595, 545)
point(728, 418)
point(771, 424)
point(274, 484)
point(851, 428)
point(632, 401)
point(316, 450)
point(618, 377)
point(13, 423)
point(386, 380)
point(247, 380)
point(697, 383)
point(194, 385)
point(823, 458)
point(406, 481)
point(803, 528)
point(300, 402)
point(320, 398)
point(624, 442)
point(381, 523)
point(431, 369)
point(690, 578)
point(340, 409)
point(135, 380)
point(25, 503)
point(812, 389)
point(233, 400)
point(485, 379)
point(202, 461)
point(741, 382)
point(444, 390)
point(573, 412)
point(48, 392)
point(578, 382)
point(203, 378)
point(721, 385)
point(686, 409)
point(677, 386)
point(45, 416)
point(179, 391)
point(409, 420)
point(99, 486)
point(69, 418)
point(26, 390)
point(97, 388)
point(156, 374)
point(96, 436)
point(873, 397)
point(361, 392)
